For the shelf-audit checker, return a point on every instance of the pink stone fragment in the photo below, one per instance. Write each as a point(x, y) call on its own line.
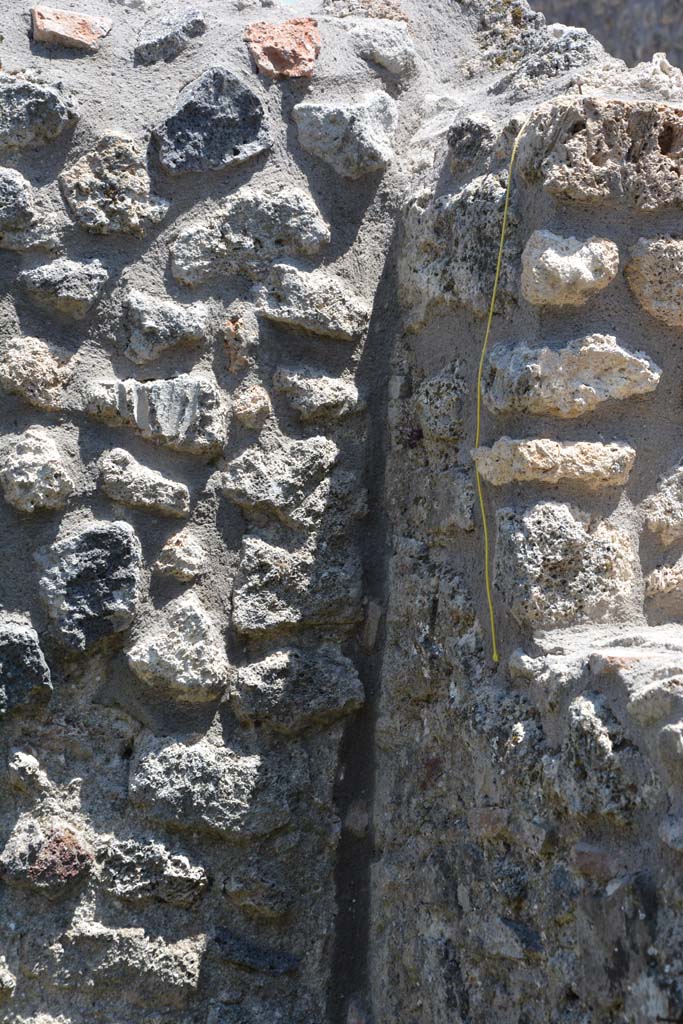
point(288, 50)
point(69, 28)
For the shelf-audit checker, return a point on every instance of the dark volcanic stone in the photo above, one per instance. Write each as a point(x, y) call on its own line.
point(90, 583)
point(24, 674)
point(52, 857)
point(31, 112)
point(165, 40)
point(252, 957)
point(218, 122)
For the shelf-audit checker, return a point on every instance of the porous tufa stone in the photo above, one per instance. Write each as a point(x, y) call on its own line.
point(182, 652)
point(567, 381)
point(108, 191)
point(247, 233)
point(153, 325)
point(137, 872)
point(315, 396)
point(662, 512)
point(251, 405)
point(126, 480)
point(287, 50)
point(543, 460)
point(34, 474)
point(355, 139)
point(24, 225)
point(30, 368)
point(559, 271)
point(218, 122)
point(314, 301)
point(384, 42)
point(655, 276)
point(32, 112)
point(182, 556)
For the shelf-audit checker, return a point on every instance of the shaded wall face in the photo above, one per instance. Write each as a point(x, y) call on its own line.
point(630, 29)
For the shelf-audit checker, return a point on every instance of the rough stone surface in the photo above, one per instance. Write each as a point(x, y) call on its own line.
point(32, 112)
point(138, 872)
point(654, 276)
point(595, 150)
point(314, 301)
point(554, 567)
point(35, 474)
point(186, 413)
point(108, 191)
point(450, 250)
point(66, 286)
point(559, 271)
point(290, 691)
point(203, 785)
point(182, 653)
point(49, 857)
point(287, 50)
point(154, 325)
point(218, 122)
point(24, 225)
point(662, 512)
point(315, 396)
point(384, 42)
point(90, 582)
point(567, 381)
point(25, 680)
point(74, 29)
point(182, 556)
point(251, 405)
point(249, 232)
point(166, 39)
point(126, 480)
point(354, 138)
point(28, 367)
point(546, 461)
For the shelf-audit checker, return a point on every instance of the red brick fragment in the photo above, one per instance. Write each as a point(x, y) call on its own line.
point(288, 50)
point(79, 31)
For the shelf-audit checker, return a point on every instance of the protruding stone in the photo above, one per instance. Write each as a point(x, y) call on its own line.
point(439, 404)
point(66, 286)
point(292, 690)
point(165, 39)
point(247, 233)
point(137, 872)
point(314, 301)
point(125, 479)
point(654, 274)
point(565, 382)
point(315, 396)
point(90, 582)
point(355, 139)
point(24, 226)
point(594, 149)
point(666, 579)
point(182, 652)
point(51, 858)
point(182, 556)
point(73, 29)
point(218, 122)
point(554, 567)
point(663, 511)
point(109, 191)
point(25, 680)
point(449, 254)
point(250, 956)
point(34, 474)
point(559, 271)
point(202, 785)
point(8, 980)
point(546, 461)
point(28, 367)
point(277, 477)
point(287, 50)
point(152, 325)
point(251, 405)
point(241, 334)
point(276, 589)
point(384, 42)
point(187, 413)
point(31, 112)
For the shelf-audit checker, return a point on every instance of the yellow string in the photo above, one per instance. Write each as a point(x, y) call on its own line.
point(480, 492)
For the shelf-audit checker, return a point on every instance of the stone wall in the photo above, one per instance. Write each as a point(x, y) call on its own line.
point(257, 764)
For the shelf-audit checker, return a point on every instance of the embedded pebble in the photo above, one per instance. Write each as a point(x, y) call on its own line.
point(355, 139)
point(182, 556)
point(316, 396)
point(25, 679)
point(384, 42)
point(32, 112)
point(24, 225)
point(313, 300)
point(56, 27)
point(126, 480)
point(153, 325)
point(34, 473)
point(165, 39)
point(251, 405)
